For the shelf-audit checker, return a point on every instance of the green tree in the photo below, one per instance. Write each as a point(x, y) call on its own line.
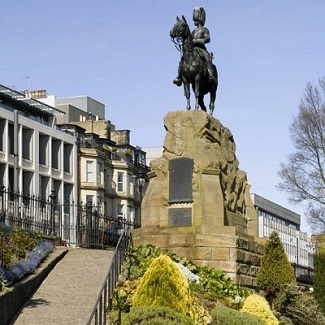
point(319, 275)
point(275, 269)
point(303, 175)
point(299, 306)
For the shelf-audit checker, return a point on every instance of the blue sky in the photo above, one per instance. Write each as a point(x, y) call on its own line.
point(119, 52)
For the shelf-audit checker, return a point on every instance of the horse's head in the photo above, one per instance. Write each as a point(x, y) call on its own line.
point(180, 29)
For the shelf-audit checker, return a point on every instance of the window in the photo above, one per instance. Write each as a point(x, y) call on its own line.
point(56, 153)
point(89, 200)
point(100, 204)
point(11, 138)
point(68, 149)
point(130, 213)
point(89, 171)
point(99, 172)
point(43, 147)
point(130, 184)
point(2, 134)
point(120, 209)
point(27, 148)
point(120, 182)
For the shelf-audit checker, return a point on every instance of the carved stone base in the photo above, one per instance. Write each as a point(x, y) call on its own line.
point(204, 210)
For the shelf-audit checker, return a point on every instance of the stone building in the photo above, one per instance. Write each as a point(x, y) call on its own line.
point(110, 167)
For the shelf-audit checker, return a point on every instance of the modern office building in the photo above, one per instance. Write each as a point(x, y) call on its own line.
point(297, 245)
point(37, 159)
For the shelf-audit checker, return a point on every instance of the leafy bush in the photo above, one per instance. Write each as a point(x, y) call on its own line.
point(123, 294)
point(223, 315)
point(215, 285)
point(207, 285)
point(5, 229)
point(7, 254)
point(212, 283)
point(138, 259)
point(150, 315)
point(299, 306)
point(163, 285)
point(258, 306)
point(14, 244)
point(23, 241)
point(275, 269)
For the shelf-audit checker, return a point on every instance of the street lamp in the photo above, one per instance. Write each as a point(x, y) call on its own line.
point(141, 183)
point(52, 197)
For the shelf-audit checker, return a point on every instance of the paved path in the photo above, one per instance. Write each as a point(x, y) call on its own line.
point(68, 294)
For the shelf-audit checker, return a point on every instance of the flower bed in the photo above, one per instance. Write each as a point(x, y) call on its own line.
point(28, 265)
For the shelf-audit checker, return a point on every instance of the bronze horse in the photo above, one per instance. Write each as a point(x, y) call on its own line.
point(193, 69)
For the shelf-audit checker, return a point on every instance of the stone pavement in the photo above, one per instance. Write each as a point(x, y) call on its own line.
point(68, 294)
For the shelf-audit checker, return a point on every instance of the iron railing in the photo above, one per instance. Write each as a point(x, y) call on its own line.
point(75, 226)
point(69, 225)
point(30, 212)
point(103, 303)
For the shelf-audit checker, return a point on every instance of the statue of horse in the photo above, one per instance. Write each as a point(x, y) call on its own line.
point(193, 70)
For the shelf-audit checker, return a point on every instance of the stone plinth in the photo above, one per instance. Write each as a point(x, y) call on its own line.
point(206, 224)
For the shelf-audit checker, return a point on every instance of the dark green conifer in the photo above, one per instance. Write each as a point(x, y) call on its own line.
point(275, 269)
point(319, 275)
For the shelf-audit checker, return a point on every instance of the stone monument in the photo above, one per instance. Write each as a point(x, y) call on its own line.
point(197, 203)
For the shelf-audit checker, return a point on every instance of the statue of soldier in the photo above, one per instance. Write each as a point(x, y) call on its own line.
point(200, 36)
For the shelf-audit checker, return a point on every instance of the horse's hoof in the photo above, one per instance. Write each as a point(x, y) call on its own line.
point(177, 82)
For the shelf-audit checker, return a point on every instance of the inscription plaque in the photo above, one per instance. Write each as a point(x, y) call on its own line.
point(180, 180)
point(180, 217)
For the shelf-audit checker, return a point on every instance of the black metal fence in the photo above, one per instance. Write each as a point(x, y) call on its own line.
point(70, 225)
point(98, 315)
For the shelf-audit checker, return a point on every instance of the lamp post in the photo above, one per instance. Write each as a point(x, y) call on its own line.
point(141, 183)
point(52, 218)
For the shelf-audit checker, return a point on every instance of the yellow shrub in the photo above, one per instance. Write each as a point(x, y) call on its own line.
point(258, 306)
point(163, 284)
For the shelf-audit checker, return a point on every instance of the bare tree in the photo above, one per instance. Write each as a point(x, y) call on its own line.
point(303, 175)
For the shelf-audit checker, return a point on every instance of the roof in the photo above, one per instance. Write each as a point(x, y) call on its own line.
point(21, 102)
point(276, 209)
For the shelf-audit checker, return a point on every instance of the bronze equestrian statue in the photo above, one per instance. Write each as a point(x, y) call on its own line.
point(195, 67)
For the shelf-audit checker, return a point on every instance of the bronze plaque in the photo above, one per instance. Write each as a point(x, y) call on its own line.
point(180, 180)
point(180, 217)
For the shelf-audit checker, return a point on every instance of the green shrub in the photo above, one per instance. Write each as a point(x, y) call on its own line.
point(258, 306)
point(138, 259)
point(213, 284)
point(163, 285)
point(319, 275)
point(275, 269)
point(123, 295)
point(298, 305)
point(148, 315)
point(23, 241)
point(14, 243)
point(5, 229)
point(223, 315)
point(7, 253)
point(216, 285)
